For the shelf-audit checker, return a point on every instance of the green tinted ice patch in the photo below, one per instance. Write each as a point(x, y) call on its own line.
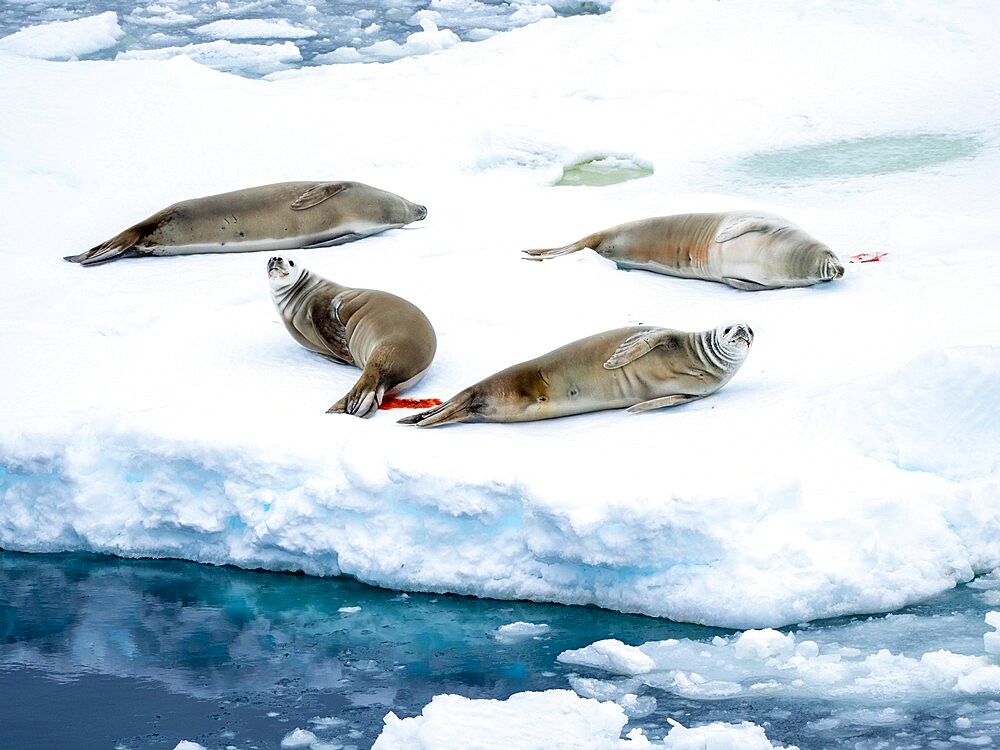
point(874, 155)
point(604, 170)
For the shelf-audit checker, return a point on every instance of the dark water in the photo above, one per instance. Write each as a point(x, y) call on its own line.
point(100, 652)
point(143, 654)
point(330, 24)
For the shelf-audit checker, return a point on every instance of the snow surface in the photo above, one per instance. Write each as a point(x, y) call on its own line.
point(157, 407)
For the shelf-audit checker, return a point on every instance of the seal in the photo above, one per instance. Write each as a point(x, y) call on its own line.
point(747, 251)
point(390, 339)
point(639, 367)
point(281, 216)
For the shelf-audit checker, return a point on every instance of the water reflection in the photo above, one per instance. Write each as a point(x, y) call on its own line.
point(263, 641)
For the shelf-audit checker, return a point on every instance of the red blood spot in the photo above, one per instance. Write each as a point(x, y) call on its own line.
point(867, 257)
point(409, 403)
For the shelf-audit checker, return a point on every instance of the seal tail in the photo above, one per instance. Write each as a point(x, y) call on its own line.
point(555, 252)
point(119, 246)
point(456, 409)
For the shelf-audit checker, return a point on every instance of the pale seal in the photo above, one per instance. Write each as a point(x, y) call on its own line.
point(745, 250)
point(638, 367)
point(390, 339)
point(269, 217)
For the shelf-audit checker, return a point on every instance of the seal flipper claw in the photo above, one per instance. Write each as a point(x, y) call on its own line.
point(555, 252)
point(363, 399)
point(660, 403)
point(456, 409)
point(120, 246)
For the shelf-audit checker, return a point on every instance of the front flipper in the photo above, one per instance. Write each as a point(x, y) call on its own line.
point(745, 284)
point(317, 194)
point(640, 344)
point(325, 318)
point(363, 399)
point(660, 403)
point(340, 239)
point(740, 225)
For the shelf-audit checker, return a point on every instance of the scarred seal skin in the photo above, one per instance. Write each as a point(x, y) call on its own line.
point(390, 339)
point(745, 250)
point(281, 216)
point(638, 368)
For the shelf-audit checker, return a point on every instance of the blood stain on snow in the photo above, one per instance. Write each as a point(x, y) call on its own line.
point(409, 403)
point(867, 257)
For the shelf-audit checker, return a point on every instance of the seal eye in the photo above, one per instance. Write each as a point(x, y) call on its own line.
point(542, 399)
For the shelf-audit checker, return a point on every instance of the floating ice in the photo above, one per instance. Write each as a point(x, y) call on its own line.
point(299, 738)
point(991, 641)
point(550, 720)
point(766, 661)
point(520, 631)
point(65, 40)
point(430, 39)
point(252, 28)
point(226, 56)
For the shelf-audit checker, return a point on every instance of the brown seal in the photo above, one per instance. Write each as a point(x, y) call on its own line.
point(639, 367)
point(747, 251)
point(282, 216)
point(390, 339)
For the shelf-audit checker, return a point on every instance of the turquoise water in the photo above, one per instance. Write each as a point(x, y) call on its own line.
point(875, 155)
point(601, 171)
point(234, 658)
point(208, 654)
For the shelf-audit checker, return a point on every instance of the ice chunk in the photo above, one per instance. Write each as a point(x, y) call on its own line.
point(299, 738)
point(65, 40)
point(520, 631)
point(718, 736)
point(764, 644)
point(551, 720)
point(253, 28)
point(991, 641)
point(611, 655)
point(226, 56)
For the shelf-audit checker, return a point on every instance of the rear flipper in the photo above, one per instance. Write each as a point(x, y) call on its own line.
point(459, 408)
point(120, 246)
point(555, 252)
point(363, 399)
